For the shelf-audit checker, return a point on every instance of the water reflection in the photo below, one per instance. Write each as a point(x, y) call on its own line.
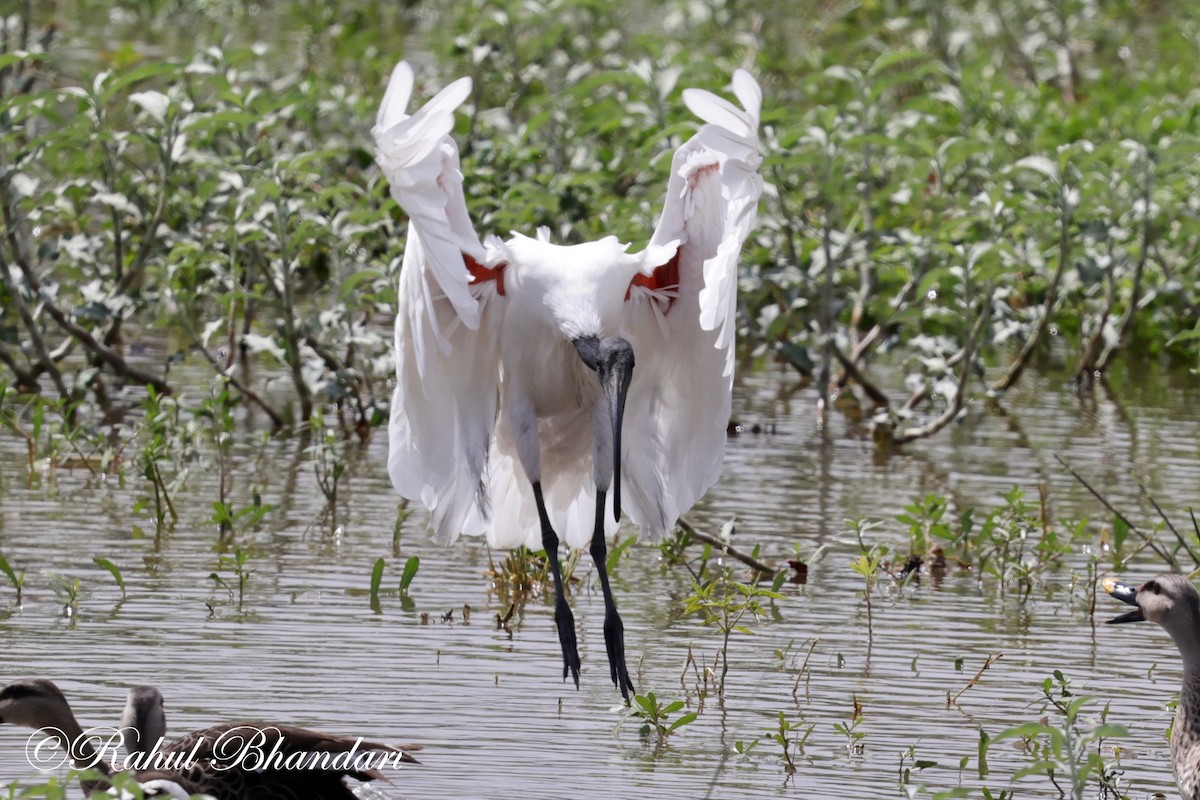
point(489, 704)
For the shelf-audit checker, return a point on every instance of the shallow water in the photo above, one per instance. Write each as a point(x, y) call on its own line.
point(491, 709)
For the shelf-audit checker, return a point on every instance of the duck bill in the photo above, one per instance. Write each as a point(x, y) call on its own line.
point(616, 388)
point(1126, 594)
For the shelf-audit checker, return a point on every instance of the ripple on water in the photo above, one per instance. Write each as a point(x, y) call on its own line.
point(491, 708)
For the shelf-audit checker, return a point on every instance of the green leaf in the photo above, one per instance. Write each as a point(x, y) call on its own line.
point(376, 577)
point(777, 583)
point(410, 571)
point(240, 120)
point(8, 59)
point(614, 555)
point(156, 104)
point(1042, 165)
point(7, 569)
point(136, 75)
point(113, 570)
point(1185, 336)
point(686, 719)
point(352, 284)
point(888, 60)
point(1109, 731)
point(950, 794)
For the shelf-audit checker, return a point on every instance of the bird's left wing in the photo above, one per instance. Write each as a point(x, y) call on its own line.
point(444, 406)
point(681, 313)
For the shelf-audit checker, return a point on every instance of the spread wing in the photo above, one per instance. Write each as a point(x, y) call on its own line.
point(444, 406)
point(681, 312)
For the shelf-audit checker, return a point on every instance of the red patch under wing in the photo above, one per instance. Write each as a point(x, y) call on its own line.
point(480, 273)
point(665, 276)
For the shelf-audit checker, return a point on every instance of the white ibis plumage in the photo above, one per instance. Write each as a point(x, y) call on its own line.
point(518, 413)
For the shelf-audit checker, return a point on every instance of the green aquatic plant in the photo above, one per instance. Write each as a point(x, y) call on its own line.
point(329, 464)
point(238, 564)
point(16, 579)
point(867, 567)
point(673, 547)
point(1067, 747)
point(787, 735)
point(910, 762)
point(724, 603)
point(113, 570)
point(67, 590)
point(411, 565)
point(850, 729)
point(1016, 543)
point(521, 573)
point(525, 573)
point(654, 715)
point(926, 526)
point(164, 437)
point(376, 582)
point(233, 522)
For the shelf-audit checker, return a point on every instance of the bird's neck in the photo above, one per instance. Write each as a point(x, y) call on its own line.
point(1188, 642)
point(1185, 733)
point(1185, 736)
point(70, 737)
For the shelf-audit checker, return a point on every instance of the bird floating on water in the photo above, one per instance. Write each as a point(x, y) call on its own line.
point(216, 762)
point(1172, 602)
point(518, 413)
point(144, 720)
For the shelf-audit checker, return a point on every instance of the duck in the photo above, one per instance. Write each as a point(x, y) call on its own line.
point(144, 720)
point(1172, 602)
point(230, 761)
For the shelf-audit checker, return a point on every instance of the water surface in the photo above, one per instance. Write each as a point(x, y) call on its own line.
point(490, 707)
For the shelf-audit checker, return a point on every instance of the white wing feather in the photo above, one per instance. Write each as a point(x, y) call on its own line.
point(444, 407)
point(680, 398)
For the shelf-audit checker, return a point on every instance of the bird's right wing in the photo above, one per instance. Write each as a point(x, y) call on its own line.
point(444, 407)
point(682, 309)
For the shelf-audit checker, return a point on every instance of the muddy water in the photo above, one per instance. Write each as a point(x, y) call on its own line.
point(489, 706)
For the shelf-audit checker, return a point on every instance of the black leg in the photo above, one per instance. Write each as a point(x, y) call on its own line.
point(614, 629)
point(564, 620)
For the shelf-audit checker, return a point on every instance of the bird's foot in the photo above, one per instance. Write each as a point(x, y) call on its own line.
point(565, 621)
point(614, 642)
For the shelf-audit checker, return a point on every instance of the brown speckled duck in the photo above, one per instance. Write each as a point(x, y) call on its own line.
point(216, 765)
point(1173, 603)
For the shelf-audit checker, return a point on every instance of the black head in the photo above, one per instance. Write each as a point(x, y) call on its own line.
point(605, 355)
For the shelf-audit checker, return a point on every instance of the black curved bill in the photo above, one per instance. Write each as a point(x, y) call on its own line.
point(616, 388)
point(612, 359)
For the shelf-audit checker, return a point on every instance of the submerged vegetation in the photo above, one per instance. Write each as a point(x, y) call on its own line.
point(199, 258)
